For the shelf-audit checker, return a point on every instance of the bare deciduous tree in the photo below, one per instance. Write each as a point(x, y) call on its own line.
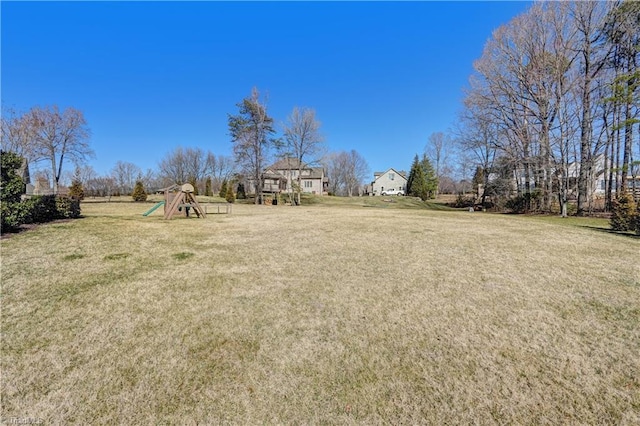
point(303, 141)
point(125, 175)
point(347, 172)
point(59, 137)
point(439, 148)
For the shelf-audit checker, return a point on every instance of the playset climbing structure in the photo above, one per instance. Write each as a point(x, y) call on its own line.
point(180, 198)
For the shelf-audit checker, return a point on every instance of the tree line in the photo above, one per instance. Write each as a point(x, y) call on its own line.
point(553, 103)
point(60, 138)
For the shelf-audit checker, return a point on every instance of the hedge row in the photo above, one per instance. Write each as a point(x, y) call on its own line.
point(38, 209)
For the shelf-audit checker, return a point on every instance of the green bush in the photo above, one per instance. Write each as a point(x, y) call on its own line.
point(524, 203)
point(38, 209)
point(67, 208)
point(11, 217)
point(623, 213)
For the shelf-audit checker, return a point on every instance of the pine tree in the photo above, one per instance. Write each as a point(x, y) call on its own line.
point(478, 178)
point(417, 182)
point(139, 194)
point(223, 189)
point(430, 177)
point(230, 196)
point(194, 182)
point(76, 190)
point(207, 188)
point(412, 176)
point(240, 192)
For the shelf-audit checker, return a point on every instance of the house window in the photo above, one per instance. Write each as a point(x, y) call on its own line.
point(308, 184)
point(392, 176)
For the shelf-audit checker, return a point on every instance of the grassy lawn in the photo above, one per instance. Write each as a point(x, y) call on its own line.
point(350, 312)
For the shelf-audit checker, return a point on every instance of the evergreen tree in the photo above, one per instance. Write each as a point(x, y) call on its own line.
point(194, 182)
point(139, 194)
point(207, 187)
point(417, 183)
point(240, 192)
point(412, 176)
point(76, 190)
point(223, 189)
point(230, 196)
point(430, 177)
point(12, 185)
point(11, 188)
point(478, 178)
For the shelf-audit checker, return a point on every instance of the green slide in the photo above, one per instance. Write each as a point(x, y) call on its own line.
point(152, 209)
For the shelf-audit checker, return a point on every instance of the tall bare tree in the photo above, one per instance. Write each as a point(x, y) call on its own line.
point(302, 141)
point(18, 135)
point(222, 168)
point(251, 131)
point(125, 175)
point(439, 148)
point(588, 18)
point(187, 165)
point(622, 30)
point(347, 171)
point(59, 137)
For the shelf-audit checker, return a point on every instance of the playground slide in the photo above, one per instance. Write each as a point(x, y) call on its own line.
point(152, 209)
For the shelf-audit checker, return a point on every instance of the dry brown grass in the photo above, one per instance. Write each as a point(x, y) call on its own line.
point(319, 314)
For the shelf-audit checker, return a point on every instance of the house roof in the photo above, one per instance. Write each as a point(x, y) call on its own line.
point(401, 173)
point(292, 164)
point(286, 164)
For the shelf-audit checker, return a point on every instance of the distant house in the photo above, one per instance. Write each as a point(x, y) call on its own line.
point(389, 180)
point(597, 184)
point(282, 175)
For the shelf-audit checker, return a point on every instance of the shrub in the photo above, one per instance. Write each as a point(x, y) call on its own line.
point(67, 208)
point(207, 188)
point(11, 217)
point(194, 182)
point(230, 196)
point(38, 209)
point(241, 195)
point(139, 194)
point(524, 203)
point(462, 201)
point(623, 213)
point(223, 189)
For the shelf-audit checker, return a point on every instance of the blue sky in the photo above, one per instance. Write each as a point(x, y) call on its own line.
point(151, 76)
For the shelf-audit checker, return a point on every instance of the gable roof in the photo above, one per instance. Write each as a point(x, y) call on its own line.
point(292, 164)
point(286, 164)
point(401, 173)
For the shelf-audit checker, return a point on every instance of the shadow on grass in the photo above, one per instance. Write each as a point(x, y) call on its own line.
point(611, 231)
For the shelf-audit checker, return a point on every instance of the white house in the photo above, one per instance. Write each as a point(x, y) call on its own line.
point(389, 180)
